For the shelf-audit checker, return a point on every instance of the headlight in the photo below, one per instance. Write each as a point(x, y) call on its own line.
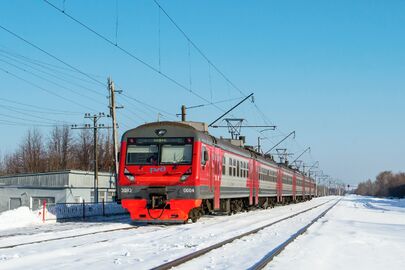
point(129, 175)
point(184, 177)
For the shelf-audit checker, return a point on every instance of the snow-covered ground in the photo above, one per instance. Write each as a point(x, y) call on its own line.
point(20, 217)
point(140, 248)
point(355, 224)
point(359, 233)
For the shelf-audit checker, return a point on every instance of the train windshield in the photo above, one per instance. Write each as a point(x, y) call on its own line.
point(142, 154)
point(154, 151)
point(178, 154)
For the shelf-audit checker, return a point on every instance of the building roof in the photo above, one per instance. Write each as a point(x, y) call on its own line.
point(58, 179)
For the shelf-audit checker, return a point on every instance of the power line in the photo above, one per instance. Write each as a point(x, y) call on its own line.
point(47, 80)
point(52, 67)
point(43, 89)
point(216, 102)
point(131, 117)
point(198, 49)
point(116, 22)
point(50, 55)
point(130, 54)
point(149, 65)
point(149, 113)
point(52, 75)
point(145, 104)
point(45, 110)
point(54, 57)
point(29, 120)
point(29, 115)
point(25, 124)
point(211, 63)
point(33, 111)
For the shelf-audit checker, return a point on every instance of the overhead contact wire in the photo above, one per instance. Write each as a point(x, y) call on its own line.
point(131, 54)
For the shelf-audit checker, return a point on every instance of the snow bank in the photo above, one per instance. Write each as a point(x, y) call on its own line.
point(66, 211)
point(19, 217)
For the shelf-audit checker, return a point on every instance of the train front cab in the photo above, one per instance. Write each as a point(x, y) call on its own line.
point(158, 173)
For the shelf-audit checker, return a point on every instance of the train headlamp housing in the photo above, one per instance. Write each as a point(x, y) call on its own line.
point(160, 132)
point(185, 176)
point(129, 175)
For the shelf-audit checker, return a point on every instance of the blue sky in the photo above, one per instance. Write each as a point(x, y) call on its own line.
point(333, 71)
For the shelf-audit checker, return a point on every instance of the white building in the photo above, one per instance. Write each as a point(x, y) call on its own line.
point(54, 187)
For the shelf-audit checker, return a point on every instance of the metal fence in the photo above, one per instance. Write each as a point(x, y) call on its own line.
point(83, 210)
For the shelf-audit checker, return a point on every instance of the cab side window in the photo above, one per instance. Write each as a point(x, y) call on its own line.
point(204, 154)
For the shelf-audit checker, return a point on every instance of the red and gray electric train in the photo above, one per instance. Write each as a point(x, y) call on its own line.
point(176, 171)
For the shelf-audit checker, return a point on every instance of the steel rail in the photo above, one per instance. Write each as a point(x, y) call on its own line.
point(198, 253)
point(270, 256)
point(67, 237)
point(62, 228)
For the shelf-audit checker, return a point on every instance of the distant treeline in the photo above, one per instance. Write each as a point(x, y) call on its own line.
point(62, 149)
point(386, 184)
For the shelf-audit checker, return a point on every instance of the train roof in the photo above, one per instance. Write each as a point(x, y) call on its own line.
point(173, 129)
point(199, 131)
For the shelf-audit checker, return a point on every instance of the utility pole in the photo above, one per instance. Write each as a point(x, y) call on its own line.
point(95, 128)
point(113, 107)
point(183, 113)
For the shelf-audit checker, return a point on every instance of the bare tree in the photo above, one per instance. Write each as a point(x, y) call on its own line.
point(60, 151)
point(13, 163)
point(105, 152)
point(386, 184)
point(59, 145)
point(32, 152)
point(83, 151)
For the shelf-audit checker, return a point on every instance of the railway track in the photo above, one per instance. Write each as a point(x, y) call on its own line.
point(68, 237)
point(62, 226)
point(273, 253)
point(264, 261)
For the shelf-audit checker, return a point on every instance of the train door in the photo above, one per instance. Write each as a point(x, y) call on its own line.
point(205, 176)
point(210, 169)
point(214, 176)
point(256, 182)
point(294, 187)
point(251, 176)
point(217, 179)
point(280, 185)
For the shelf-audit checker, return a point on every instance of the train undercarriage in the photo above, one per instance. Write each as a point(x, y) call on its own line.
point(159, 210)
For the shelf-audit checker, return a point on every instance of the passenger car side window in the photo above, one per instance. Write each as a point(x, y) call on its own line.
point(223, 166)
